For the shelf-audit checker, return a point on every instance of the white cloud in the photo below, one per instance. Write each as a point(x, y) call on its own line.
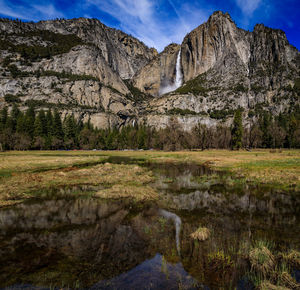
point(248, 6)
point(48, 11)
point(144, 20)
point(11, 11)
point(29, 12)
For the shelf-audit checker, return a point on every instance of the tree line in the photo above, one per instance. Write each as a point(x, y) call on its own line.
point(45, 130)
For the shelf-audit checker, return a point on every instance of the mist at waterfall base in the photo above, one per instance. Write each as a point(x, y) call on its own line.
point(178, 78)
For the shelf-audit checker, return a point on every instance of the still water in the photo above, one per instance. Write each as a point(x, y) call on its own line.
point(89, 243)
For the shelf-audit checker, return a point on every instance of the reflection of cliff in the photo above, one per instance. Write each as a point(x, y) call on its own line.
point(213, 202)
point(79, 236)
point(86, 241)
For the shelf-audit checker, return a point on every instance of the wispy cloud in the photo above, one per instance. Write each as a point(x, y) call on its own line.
point(48, 11)
point(248, 6)
point(29, 11)
point(144, 20)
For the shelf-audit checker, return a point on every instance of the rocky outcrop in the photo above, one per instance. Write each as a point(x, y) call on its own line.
point(81, 64)
point(83, 60)
point(158, 73)
point(124, 53)
point(214, 43)
point(225, 68)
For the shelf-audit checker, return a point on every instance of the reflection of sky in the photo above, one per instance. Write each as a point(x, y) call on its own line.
point(156, 272)
point(160, 22)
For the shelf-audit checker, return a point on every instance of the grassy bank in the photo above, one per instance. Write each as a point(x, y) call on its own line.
point(23, 174)
point(34, 174)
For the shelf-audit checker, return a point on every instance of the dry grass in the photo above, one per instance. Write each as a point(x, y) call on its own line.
point(262, 260)
point(288, 281)
point(266, 285)
point(116, 179)
point(280, 167)
point(201, 234)
point(24, 172)
point(292, 258)
point(15, 162)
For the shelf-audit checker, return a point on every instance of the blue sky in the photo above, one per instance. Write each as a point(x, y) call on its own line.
point(160, 22)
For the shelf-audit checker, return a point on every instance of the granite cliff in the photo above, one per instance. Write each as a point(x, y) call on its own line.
point(95, 72)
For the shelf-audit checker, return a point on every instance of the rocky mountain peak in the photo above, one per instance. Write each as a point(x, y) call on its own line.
point(219, 16)
point(112, 78)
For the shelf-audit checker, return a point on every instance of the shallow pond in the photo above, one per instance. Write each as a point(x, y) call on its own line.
point(88, 243)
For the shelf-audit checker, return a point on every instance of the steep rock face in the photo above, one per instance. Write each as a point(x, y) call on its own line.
point(124, 54)
point(84, 73)
point(84, 60)
point(225, 68)
point(213, 43)
point(158, 73)
point(54, 66)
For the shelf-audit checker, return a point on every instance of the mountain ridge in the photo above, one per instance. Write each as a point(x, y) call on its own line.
point(113, 79)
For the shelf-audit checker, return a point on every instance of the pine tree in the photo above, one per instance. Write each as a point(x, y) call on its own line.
point(70, 127)
point(49, 123)
point(39, 123)
point(57, 126)
point(29, 121)
point(265, 124)
point(291, 132)
point(14, 117)
point(141, 137)
point(237, 131)
point(3, 117)
point(20, 128)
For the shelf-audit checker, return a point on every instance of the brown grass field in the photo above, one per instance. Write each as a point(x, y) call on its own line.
point(22, 174)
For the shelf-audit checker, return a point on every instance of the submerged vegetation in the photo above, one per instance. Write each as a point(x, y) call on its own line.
point(269, 270)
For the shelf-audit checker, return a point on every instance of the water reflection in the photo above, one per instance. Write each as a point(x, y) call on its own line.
point(84, 243)
point(155, 273)
point(177, 222)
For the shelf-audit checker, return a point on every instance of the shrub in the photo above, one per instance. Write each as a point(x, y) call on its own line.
point(60, 43)
point(221, 114)
point(178, 111)
point(240, 88)
point(136, 94)
point(9, 98)
point(193, 86)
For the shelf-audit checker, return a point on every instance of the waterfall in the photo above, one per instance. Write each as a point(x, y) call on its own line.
point(178, 78)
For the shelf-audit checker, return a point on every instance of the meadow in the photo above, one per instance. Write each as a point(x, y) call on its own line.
point(26, 174)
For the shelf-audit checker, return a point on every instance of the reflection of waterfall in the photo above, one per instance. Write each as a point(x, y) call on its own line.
point(178, 78)
point(177, 222)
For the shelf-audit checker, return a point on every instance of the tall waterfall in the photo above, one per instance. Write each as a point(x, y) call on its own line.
point(178, 78)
